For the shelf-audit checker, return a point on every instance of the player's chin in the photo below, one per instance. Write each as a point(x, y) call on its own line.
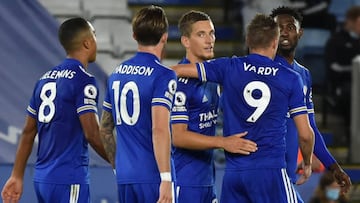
point(92, 59)
point(208, 55)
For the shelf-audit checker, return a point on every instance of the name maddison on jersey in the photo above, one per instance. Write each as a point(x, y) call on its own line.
point(261, 70)
point(134, 70)
point(54, 74)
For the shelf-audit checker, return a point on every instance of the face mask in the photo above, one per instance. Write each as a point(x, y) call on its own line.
point(332, 193)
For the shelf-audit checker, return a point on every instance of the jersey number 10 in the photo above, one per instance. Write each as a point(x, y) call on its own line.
point(121, 110)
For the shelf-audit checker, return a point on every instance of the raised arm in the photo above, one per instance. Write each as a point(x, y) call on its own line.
point(186, 70)
point(13, 188)
point(306, 143)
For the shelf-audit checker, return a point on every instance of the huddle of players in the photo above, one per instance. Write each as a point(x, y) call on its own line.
point(257, 100)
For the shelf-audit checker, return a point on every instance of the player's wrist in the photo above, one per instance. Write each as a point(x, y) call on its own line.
point(165, 176)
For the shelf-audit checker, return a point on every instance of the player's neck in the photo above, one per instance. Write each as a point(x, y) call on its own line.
point(264, 52)
point(192, 58)
point(156, 50)
point(80, 58)
point(289, 56)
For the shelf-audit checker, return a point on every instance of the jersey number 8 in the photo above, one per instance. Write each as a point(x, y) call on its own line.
point(47, 101)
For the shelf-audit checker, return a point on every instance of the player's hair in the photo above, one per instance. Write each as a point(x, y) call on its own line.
point(189, 18)
point(69, 32)
point(149, 24)
point(353, 13)
point(284, 10)
point(261, 31)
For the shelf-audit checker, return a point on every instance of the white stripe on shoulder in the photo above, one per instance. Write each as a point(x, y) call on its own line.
point(161, 100)
point(202, 72)
point(107, 105)
point(298, 109)
point(31, 110)
point(86, 107)
point(180, 118)
point(83, 70)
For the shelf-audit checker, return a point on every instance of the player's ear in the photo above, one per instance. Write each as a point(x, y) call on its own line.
point(301, 31)
point(164, 38)
point(275, 43)
point(185, 41)
point(86, 43)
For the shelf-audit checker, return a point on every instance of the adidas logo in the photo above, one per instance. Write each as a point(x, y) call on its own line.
point(204, 99)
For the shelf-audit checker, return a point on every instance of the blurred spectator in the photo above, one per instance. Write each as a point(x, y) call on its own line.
point(340, 50)
point(315, 13)
point(251, 7)
point(328, 190)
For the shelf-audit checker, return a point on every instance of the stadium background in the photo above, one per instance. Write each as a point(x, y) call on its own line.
point(29, 47)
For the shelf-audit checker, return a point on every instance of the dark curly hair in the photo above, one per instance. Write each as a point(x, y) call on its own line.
point(284, 10)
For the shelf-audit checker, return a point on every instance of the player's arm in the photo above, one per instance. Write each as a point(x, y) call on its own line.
point(321, 151)
point(306, 144)
point(183, 138)
point(186, 70)
point(107, 136)
point(161, 144)
point(90, 124)
point(13, 188)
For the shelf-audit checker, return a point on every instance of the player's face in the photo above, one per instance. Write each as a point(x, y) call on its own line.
point(201, 42)
point(93, 44)
point(290, 32)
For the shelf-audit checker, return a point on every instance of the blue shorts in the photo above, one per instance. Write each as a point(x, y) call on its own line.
point(139, 193)
point(196, 194)
point(62, 193)
point(258, 186)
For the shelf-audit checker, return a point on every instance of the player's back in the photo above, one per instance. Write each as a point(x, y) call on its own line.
point(257, 93)
point(133, 88)
point(60, 96)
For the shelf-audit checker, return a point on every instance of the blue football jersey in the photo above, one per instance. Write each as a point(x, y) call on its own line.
point(292, 144)
point(258, 93)
point(133, 88)
point(196, 104)
point(59, 98)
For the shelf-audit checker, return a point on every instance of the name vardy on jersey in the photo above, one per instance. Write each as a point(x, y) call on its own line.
point(134, 70)
point(260, 70)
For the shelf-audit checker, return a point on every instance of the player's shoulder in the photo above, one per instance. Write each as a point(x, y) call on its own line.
point(300, 66)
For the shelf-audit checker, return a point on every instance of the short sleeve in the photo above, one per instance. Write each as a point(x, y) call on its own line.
point(179, 113)
point(214, 70)
point(164, 89)
point(87, 96)
point(297, 97)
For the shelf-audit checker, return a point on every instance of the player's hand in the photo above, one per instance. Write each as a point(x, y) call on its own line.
point(237, 144)
point(306, 174)
point(165, 193)
point(341, 178)
point(12, 190)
